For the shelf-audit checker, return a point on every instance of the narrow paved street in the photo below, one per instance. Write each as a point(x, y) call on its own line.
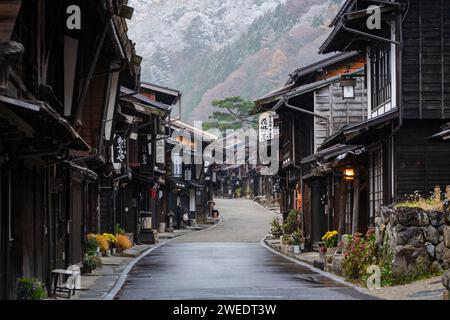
point(228, 262)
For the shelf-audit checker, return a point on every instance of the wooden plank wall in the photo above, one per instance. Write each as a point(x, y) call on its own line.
point(329, 102)
point(76, 210)
point(106, 207)
point(426, 60)
point(9, 9)
point(420, 164)
point(93, 111)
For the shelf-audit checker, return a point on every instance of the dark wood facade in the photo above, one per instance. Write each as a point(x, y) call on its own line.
point(49, 194)
point(311, 109)
point(407, 80)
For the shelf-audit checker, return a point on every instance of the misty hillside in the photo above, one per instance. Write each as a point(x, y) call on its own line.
point(221, 48)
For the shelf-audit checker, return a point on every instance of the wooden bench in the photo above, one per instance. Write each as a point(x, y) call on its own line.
point(71, 280)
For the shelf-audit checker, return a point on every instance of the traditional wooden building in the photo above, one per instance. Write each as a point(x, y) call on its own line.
point(316, 103)
point(58, 89)
point(191, 181)
point(141, 175)
point(406, 80)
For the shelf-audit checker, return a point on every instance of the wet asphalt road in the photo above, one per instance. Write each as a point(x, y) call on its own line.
point(228, 262)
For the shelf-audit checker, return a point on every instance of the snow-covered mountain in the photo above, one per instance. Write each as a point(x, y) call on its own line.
point(215, 48)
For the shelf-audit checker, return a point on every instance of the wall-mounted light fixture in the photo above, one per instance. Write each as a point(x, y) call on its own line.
point(349, 174)
point(348, 85)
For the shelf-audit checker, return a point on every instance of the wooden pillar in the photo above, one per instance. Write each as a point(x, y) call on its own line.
point(355, 218)
point(342, 207)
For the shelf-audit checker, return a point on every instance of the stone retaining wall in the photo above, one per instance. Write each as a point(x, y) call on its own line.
point(415, 237)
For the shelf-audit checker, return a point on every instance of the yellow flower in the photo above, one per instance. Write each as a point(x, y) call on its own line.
point(110, 237)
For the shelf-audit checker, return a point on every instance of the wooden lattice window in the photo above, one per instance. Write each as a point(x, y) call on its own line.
point(381, 86)
point(376, 181)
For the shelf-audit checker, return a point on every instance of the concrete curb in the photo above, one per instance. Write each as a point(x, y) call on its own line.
point(322, 273)
point(312, 268)
point(111, 294)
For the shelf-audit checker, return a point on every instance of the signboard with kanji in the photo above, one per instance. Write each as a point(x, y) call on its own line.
point(120, 149)
point(177, 166)
point(160, 150)
point(266, 126)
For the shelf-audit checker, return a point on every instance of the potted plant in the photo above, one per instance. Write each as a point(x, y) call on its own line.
point(276, 228)
point(103, 243)
point(291, 223)
point(120, 230)
point(297, 237)
point(91, 263)
point(322, 250)
point(123, 243)
point(92, 245)
point(111, 242)
point(30, 289)
point(331, 241)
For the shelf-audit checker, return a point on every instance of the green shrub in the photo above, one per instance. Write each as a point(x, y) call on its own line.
point(119, 230)
point(275, 227)
point(30, 289)
point(297, 238)
point(91, 246)
point(91, 263)
point(291, 224)
point(287, 239)
point(360, 253)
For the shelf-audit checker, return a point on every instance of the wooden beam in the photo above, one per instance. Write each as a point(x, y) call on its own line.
point(355, 218)
point(342, 207)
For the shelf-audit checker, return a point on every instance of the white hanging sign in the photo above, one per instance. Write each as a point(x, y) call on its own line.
point(177, 166)
point(266, 126)
point(160, 150)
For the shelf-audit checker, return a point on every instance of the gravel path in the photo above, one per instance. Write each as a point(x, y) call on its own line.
point(429, 289)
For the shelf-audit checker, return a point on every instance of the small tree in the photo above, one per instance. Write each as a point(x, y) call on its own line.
point(234, 113)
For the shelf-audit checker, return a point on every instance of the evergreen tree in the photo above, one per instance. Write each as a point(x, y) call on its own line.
point(234, 113)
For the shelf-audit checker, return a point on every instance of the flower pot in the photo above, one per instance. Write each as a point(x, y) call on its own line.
point(276, 234)
point(297, 249)
point(113, 251)
point(322, 253)
point(331, 251)
point(108, 253)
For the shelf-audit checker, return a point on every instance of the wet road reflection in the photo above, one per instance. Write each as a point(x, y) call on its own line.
point(198, 267)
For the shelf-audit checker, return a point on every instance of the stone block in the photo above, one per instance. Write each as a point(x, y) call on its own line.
point(437, 218)
point(431, 234)
point(431, 249)
point(412, 217)
point(408, 236)
point(447, 237)
point(409, 259)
